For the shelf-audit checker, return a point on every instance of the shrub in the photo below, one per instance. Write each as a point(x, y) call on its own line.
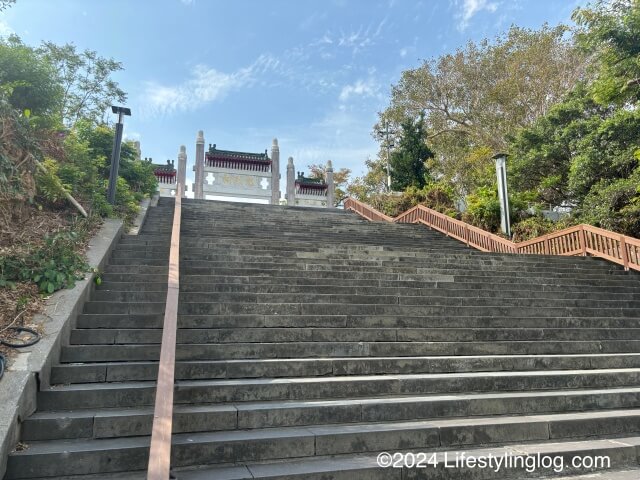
point(55, 265)
point(614, 205)
point(483, 209)
point(532, 227)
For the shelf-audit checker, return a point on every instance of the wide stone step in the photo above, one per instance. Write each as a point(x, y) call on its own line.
point(231, 267)
point(403, 280)
point(241, 446)
point(146, 253)
point(309, 334)
point(347, 241)
point(443, 289)
point(495, 307)
point(310, 367)
point(404, 274)
point(137, 260)
point(365, 297)
point(343, 421)
point(226, 351)
point(607, 454)
point(137, 278)
point(453, 299)
point(141, 321)
point(141, 286)
point(130, 394)
point(134, 270)
point(130, 308)
point(261, 250)
point(225, 260)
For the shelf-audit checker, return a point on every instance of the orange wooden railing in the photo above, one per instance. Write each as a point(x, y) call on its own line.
point(579, 240)
point(160, 448)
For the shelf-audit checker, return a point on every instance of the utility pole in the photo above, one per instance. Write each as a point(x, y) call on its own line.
point(386, 132)
point(115, 154)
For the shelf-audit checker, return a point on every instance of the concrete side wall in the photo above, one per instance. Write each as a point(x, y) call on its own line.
point(30, 369)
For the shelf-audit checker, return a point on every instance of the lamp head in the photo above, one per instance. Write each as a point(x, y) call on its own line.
point(121, 110)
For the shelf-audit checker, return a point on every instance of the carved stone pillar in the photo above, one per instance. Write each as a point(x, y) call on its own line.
point(275, 173)
point(291, 183)
point(331, 189)
point(182, 169)
point(199, 167)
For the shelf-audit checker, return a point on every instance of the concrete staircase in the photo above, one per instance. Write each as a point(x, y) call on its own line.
point(311, 340)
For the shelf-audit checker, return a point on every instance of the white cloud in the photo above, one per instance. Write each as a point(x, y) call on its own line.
point(359, 88)
point(5, 29)
point(403, 52)
point(470, 8)
point(355, 40)
point(206, 85)
point(132, 135)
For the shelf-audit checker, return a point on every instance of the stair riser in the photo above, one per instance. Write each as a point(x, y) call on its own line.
point(267, 335)
point(108, 353)
point(360, 309)
point(543, 291)
point(211, 450)
point(202, 393)
point(125, 372)
point(405, 273)
point(309, 298)
point(142, 321)
point(372, 262)
point(424, 281)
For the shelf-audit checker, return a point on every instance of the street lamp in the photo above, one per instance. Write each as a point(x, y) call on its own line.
point(386, 132)
point(115, 154)
point(501, 173)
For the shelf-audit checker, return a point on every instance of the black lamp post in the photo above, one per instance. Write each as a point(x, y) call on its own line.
point(115, 154)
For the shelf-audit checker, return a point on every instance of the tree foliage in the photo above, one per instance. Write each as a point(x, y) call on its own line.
point(86, 81)
point(408, 161)
point(372, 183)
point(42, 90)
point(480, 95)
point(564, 103)
point(340, 179)
point(584, 153)
point(610, 30)
point(27, 80)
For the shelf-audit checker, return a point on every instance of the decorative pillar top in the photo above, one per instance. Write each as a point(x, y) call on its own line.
point(290, 163)
point(200, 138)
point(275, 143)
point(183, 150)
point(329, 166)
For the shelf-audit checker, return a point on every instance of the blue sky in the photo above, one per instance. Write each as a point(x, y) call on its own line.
point(311, 73)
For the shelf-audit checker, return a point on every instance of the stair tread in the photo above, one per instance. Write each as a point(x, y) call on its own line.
point(76, 445)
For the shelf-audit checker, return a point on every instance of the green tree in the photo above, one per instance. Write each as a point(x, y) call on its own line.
point(480, 95)
point(407, 161)
point(373, 182)
point(27, 80)
point(610, 30)
point(585, 152)
point(542, 154)
point(86, 80)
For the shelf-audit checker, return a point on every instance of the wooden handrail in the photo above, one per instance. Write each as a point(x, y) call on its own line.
point(160, 449)
point(581, 239)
